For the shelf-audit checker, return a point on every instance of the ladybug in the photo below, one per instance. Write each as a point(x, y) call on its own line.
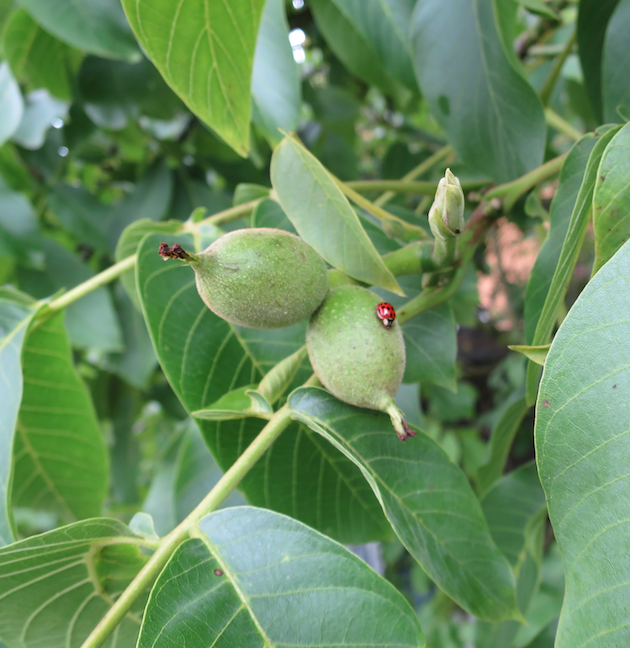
point(387, 313)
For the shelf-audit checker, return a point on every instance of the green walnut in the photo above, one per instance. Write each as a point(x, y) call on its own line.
point(358, 358)
point(261, 278)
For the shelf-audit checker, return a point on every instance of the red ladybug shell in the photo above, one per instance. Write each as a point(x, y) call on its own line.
point(387, 313)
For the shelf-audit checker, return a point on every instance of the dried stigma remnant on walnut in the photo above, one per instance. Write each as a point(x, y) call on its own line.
point(260, 278)
point(356, 358)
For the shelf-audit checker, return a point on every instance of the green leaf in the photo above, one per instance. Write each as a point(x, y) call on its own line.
point(426, 498)
point(11, 104)
point(615, 63)
point(611, 199)
point(128, 244)
point(593, 18)
point(582, 447)
point(60, 458)
point(380, 28)
point(536, 354)
point(204, 357)
point(38, 57)
point(91, 321)
point(95, 26)
point(19, 230)
point(323, 217)
point(276, 88)
point(246, 192)
point(251, 577)
point(269, 214)
point(501, 440)
point(562, 206)
point(515, 509)
point(431, 343)
point(57, 586)
point(350, 46)
point(136, 364)
point(491, 115)
point(15, 316)
point(569, 255)
point(205, 52)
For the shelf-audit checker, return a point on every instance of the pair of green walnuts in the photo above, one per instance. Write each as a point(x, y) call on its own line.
point(267, 278)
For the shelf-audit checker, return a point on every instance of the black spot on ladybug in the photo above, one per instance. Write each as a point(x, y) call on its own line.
point(546, 403)
point(218, 572)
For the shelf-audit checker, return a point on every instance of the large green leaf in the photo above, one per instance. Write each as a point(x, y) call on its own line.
point(16, 314)
point(205, 52)
point(350, 46)
point(611, 199)
point(427, 499)
point(562, 206)
point(96, 26)
point(204, 357)
point(36, 56)
point(515, 509)
point(383, 28)
point(491, 115)
point(60, 458)
point(55, 587)
point(276, 86)
point(571, 246)
point(501, 440)
point(582, 445)
point(11, 104)
point(323, 217)
point(431, 344)
point(593, 19)
point(616, 64)
point(254, 578)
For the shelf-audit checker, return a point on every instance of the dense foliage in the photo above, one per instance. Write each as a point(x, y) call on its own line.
point(171, 477)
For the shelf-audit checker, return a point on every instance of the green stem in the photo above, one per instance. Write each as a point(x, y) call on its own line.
point(393, 225)
point(550, 82)
point(152, 568)
point(416, 172)
point(407, 186)
point(415, 258)
point(224, 216)
point(554, 120)
point(431, 296)
point(101, 279)
point(512, 191)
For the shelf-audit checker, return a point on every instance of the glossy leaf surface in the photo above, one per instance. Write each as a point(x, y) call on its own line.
point(323, 217)
point(611, 199)
point(251, 577)
point(582, 443)
point(490, 113)
point(204, 357)
point(205, 52)
point(55, 587)
point(426, 498)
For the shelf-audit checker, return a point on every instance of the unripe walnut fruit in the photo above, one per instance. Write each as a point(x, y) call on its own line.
point(357, 359)
point(261, 278)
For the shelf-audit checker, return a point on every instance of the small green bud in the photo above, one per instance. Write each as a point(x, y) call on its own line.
point(446, 216)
